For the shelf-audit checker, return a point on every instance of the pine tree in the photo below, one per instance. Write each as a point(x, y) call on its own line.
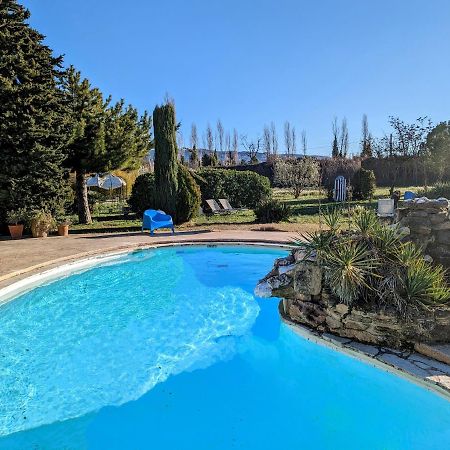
point(105, 137)
point(34, 125)
point(166, 164)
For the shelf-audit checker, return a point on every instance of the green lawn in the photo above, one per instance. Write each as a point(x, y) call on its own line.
point(305, 210)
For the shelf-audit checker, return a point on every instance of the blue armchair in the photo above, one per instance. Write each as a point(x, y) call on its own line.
point(154, 219)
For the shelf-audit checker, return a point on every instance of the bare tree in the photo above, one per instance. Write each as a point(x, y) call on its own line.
point(294, 141)
point(252, 148)
point(209, 138)
point(343, 145)
point(235, 146)
point(228, 148)
point(267, 142)
point(304, 142)
point(220, 134)
point(274, 137)
point(194, 136)
point(288, 137)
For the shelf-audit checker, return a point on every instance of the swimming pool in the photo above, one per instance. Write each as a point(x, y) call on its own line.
point(169, 349)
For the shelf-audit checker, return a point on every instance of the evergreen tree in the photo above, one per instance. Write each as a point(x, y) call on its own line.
point(34, 125)
point(335, 149)
point(193, 158)
point(105, 137)
point(166, 164)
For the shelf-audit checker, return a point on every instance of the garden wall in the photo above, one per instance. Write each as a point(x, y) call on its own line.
point(429, 225)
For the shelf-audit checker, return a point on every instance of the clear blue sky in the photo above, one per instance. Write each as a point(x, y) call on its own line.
point(251, 62)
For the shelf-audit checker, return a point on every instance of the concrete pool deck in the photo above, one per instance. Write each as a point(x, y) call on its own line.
point(23, 258)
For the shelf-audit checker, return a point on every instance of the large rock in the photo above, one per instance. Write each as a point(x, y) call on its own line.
point(297, 279)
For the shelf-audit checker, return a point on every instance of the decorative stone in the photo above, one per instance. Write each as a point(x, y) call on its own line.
point(341, 308)
point(308, 278)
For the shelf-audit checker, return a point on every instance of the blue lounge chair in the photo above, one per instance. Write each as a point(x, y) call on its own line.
point(409, 195)
point(154, 219)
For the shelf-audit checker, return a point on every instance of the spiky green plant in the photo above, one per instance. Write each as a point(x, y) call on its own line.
point(317, 244)
point(425, 283)
point(332, 218)
point(365, 220)
point(347, 269)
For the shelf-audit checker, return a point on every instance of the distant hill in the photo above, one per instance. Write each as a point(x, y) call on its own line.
point(242, 156)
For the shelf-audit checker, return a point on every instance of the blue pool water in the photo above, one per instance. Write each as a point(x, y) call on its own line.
point(169, 349)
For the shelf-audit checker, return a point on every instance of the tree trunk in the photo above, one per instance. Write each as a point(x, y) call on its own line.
point(84, 214)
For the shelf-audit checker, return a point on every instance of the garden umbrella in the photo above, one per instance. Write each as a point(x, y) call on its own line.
point(94, 181)
point(110, 182)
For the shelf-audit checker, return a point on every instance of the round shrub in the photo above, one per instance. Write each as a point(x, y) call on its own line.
point(364, 184)
point(241, 188)
point(272, 211)
point(188, 196)
point(142, 195)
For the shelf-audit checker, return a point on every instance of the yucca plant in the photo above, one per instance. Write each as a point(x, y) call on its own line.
point(425, 284)
point(316, 244)
point(386, 240)
point(365, 220)
point(332, 218)
point(347, 268)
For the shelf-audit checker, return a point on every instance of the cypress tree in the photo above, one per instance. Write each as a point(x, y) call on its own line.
point(34, 125)
point(335, 150)
point(166, 164)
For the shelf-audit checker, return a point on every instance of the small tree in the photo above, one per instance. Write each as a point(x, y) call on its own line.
point(105, 137)
point(297, 175)
point(335, 144)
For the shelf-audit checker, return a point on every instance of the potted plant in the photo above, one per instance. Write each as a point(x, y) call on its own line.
point(41, 222)
point(63, 226)
point(14, 219)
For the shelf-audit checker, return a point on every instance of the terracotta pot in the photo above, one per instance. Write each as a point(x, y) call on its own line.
point(63, 229)
point(16, 231)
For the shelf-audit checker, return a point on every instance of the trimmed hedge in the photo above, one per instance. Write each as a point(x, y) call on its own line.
point(363, 184)
point(241, 188)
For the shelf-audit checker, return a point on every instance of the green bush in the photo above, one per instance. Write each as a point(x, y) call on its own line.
point(241, 188)
point(364, 184)
point(272, 211)
point(188, 196)
point(142, 195)
point(439, 190)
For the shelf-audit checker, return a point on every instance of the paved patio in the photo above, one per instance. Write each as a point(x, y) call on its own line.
point(24, 257)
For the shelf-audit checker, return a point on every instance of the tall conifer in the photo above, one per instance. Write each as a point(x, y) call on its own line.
point(34, 125)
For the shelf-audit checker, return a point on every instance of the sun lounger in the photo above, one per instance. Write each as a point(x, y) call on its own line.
point(215, 208)
point(227, 206)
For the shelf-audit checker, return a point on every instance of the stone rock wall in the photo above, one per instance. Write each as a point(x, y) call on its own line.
point(298, 281)
point(429, 225)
